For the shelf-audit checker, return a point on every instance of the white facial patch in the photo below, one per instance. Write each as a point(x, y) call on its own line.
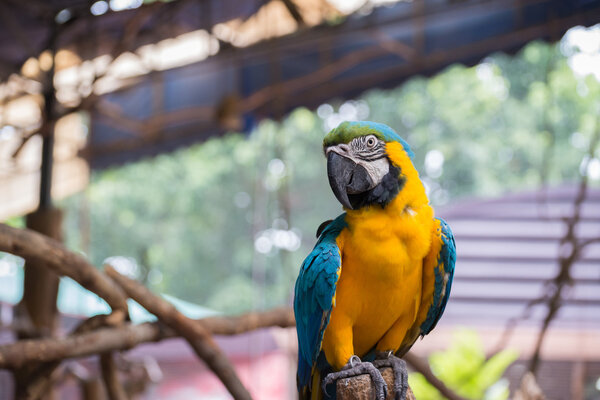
point(376, 169)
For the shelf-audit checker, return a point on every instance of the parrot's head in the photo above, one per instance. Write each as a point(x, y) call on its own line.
point(367, 163)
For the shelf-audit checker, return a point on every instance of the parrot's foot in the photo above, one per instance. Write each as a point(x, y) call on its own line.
point(400, 373)
point(356, 367)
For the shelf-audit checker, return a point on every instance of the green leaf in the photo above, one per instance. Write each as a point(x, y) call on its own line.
point(463, 368)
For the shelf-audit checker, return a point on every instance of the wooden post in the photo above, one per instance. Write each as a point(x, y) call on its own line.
point(41, 283)
point(361, 387)
point(38, 311)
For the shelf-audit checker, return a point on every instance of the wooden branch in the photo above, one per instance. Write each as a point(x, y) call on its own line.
point(39, 382)
point(197, 336)
point(584, 243)
point(529, 389)
point(92, 389)
point(361, 387)
point(124, 337)
point(127, 336)
point(111, 380)
point(553, 288)
point(563, 279)
point(116, 318)
point(282, 317)
point(107, 363)
point(41, 378)
point(511, 323)
point(33, 246)
point(422, 367)
point(102, 340)
point(90, 384)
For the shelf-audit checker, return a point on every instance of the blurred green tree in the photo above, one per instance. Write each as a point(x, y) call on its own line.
point(227, 223)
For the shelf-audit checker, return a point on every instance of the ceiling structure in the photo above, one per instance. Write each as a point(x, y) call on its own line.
point(137, 78)
point(28, 26)
point(236, 87)
point(99, 46)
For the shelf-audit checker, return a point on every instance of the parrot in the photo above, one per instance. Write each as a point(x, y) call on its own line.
point(380, 274)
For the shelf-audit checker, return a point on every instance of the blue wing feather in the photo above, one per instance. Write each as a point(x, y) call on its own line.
point(444, 273)
point(314, 293)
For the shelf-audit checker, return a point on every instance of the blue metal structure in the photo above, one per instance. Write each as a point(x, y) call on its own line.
point(307, 68)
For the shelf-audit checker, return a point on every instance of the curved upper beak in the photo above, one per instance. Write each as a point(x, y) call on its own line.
point(346, 177)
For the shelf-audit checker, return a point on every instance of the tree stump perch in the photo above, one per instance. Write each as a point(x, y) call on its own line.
point(361, 388)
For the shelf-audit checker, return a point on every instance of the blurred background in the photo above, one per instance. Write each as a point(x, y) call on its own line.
point(180, 141)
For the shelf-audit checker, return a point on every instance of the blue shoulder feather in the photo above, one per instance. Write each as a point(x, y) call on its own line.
point(314, 293)
point(444, 273)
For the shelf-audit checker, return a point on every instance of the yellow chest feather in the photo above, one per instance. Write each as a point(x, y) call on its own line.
point(380, 282)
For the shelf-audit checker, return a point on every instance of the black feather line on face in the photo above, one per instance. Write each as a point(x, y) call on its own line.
point(381, 194)
point(366, 152)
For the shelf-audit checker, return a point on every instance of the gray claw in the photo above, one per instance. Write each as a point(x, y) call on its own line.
point(400, 374)
point(356, 367)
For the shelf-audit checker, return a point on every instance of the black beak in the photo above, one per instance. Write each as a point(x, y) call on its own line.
point(346, 177)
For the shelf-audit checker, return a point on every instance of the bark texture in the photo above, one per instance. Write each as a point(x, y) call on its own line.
point(361, 388)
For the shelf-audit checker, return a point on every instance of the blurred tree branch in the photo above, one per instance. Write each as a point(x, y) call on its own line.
point(197, 336)
point(422, 367)
point(34, 246)
point(570, 251)
point(41, 377)
point(111, 380)
point(127, 336)
point(104, 334)
point(529, 389)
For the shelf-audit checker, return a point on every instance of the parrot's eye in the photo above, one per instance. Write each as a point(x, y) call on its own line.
point(371, 141)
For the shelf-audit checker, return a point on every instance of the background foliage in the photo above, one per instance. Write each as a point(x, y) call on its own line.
point(227, 223)
point(465, 368)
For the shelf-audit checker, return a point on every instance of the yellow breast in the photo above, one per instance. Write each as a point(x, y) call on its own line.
point(382, 272)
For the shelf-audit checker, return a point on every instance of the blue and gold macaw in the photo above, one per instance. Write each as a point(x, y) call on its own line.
point(380, 274)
